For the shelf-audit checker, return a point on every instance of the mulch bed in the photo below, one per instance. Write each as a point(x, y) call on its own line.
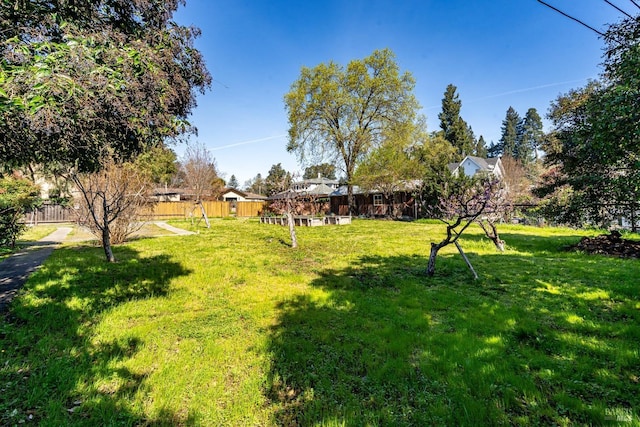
point(609, 244)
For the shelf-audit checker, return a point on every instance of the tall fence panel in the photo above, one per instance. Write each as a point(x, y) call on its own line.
point(246, 209)
point(215, 209)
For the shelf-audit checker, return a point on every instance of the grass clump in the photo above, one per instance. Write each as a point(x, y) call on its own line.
point(233, 327)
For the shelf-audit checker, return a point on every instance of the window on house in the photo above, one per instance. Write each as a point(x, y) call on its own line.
point(377, 200)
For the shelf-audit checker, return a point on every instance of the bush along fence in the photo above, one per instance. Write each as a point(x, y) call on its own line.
point(49, 213)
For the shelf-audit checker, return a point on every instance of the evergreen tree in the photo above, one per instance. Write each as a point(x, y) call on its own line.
point(454, 128)
point(532, 136)
point(511, 131)
point(277, 179)
point(233, 182)
point(481, 148)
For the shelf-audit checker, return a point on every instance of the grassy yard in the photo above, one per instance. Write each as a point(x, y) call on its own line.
point(233, 327)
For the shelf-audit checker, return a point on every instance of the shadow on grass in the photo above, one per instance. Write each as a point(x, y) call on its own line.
point(53, 373)
point(390, 346)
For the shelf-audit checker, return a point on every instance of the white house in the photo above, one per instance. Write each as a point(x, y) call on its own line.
point(472, 165)
point(233, 195)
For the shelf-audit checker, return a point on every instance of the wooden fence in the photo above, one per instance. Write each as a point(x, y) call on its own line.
point(159, 211)
point(214, 209)
point(50, 213)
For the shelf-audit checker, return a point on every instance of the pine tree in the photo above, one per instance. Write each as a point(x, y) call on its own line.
point(233, 182)
point(481, 148)
point(454, 128)
point(532, 136)
point(511, 131)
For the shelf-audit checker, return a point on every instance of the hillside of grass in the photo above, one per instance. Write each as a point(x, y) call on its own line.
point(232, 327)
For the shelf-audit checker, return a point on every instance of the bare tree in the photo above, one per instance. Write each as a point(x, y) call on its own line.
point(112, 201)
point(201, 175)
point(287, 202)
point(464, 202)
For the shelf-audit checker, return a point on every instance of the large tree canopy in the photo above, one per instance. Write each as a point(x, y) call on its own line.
point(83, 79)
point(595, 144)
point(339, 114)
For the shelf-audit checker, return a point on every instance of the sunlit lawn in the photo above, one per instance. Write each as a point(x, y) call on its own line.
point(233, 327)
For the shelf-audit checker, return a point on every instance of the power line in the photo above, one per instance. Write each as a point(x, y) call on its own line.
point(572, 18)
point(635, 4)
point(618, 9)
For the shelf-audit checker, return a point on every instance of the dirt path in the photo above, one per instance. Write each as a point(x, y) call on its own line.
point(171, 228)
point(15, 270)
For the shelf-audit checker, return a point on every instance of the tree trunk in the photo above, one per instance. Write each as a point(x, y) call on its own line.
point(350, 200)
point(431, 268)
point(292, 230)
point(106, 234)
point(493, 235)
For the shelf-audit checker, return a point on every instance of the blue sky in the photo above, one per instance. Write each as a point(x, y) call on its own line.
point(499, 53)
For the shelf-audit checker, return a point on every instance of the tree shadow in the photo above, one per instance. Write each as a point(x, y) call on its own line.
point(387, 345)
point(57, 375)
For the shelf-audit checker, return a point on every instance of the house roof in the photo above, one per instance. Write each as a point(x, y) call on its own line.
point(244, 194)
point(319, 190)
point(487, 164)
point(318, 181)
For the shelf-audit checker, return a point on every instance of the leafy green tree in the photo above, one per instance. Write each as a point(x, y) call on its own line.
point(594, 147)
point(389, 167)
point(325, 170)
point(83, 81)
point(454, 128)
point(277, 180)
point(233, 182)
point(160, 162)
point(433, 154)
point(339, 114)
point(17, 195)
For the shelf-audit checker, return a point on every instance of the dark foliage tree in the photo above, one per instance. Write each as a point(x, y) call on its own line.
point(339, 114)
point(454, 128)
point(594, 148)
point(325, 170)
point(531, 138)
point(233, 182)
point(83, 81)
point(481, 148)
point(511, 131)
point(277, 180)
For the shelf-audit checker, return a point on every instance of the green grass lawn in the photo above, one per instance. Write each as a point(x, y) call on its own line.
point(233, 327)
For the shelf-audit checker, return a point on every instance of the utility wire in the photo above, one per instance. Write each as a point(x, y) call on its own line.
point(572, 18)
point(618, 9)
point(635, 4)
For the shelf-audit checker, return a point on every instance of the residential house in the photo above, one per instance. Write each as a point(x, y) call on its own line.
point(373, 203)
point(472, 165)
point(312, 195)
point(233, 195)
